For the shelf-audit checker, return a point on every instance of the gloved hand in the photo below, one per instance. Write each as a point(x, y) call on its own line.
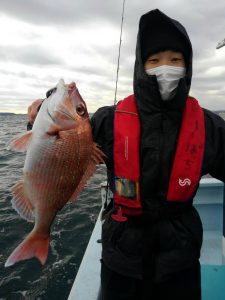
point(35, 106)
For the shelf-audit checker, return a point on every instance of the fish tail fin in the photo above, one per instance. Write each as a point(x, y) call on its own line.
point(34, 245)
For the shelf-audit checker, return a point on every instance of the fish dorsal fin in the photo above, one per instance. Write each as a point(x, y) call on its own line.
point(96, 158)
point(21, 203)
point(21, 143)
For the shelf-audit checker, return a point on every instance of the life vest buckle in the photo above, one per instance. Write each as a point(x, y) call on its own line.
point(119, 216)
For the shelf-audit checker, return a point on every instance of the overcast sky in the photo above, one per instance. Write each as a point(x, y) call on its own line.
point(42, 41)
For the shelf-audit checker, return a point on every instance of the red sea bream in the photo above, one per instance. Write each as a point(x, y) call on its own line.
point(61, 156)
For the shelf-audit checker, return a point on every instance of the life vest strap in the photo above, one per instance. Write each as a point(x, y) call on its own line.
point(186, 170)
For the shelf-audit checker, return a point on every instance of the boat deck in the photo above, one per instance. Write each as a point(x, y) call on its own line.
point(213, 287)
point(211, 253)
point(209, 203)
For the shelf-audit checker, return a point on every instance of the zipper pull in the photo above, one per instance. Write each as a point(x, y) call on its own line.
point(119, 215)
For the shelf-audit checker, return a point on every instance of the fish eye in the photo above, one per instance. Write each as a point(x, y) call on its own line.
point(80, 110)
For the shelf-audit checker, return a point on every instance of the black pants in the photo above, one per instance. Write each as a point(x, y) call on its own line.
point(185, 285)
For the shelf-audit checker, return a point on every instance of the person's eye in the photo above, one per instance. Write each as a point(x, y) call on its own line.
point(176, 59)
point(153, 60)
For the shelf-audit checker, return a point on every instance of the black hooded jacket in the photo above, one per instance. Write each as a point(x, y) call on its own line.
point(168, 237)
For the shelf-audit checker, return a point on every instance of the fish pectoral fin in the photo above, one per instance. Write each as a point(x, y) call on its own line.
point(96, 158)
point(53, 130)
point(61, 126)
point(20, 144)
point(21, 203)
point(63, 121)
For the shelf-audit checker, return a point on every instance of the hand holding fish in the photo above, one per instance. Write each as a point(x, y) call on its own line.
point(61, 156)
point(33, 109)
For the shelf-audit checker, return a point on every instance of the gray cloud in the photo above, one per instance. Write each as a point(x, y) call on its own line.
point(58, 12)
point(28, 54)
point(203, 20)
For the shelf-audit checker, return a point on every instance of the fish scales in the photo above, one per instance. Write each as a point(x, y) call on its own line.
point(58, 176)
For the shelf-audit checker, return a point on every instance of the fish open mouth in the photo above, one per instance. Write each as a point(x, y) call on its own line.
point(63, 112)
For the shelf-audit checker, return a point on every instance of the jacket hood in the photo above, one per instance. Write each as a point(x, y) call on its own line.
point(146, 87)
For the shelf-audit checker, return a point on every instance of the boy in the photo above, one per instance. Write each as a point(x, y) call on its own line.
point(158, 143)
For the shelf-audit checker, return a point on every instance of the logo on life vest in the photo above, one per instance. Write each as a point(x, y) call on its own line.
point(184, 182)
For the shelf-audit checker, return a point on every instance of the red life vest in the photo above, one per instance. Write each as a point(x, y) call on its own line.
point(186, 170)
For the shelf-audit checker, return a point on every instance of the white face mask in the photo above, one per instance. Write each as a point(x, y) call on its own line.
point(168, 78)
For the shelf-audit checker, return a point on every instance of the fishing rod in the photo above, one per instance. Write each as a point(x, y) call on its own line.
point(118, 62)
point(104, 206)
